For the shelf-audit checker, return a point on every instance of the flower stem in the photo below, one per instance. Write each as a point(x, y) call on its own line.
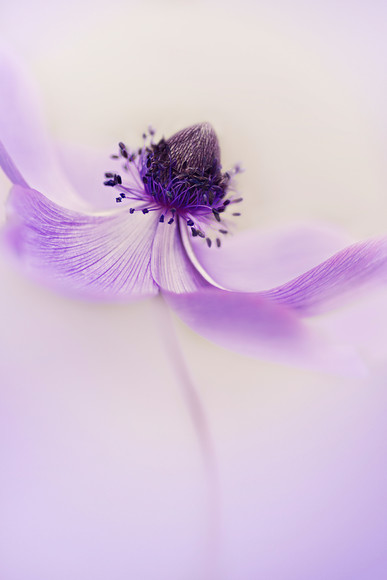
point(202, 431)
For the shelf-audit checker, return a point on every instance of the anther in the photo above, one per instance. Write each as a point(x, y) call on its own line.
point(236, 214)
point(161, 220)
point(194, 232)
point(200, 234)
point(123, 195)
point(223, 231)
point(218, 242)
point(171, 221)
point(145, 210)
point(118, 199)
point(123, 150)
point(190, 222)
point(209, 242)
point(216, 215)
point(132, 210)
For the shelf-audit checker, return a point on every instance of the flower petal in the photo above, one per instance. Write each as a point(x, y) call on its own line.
point(25, 143)
point(356, 267)
point(254, 325)
point(100, 256)
point(171, 267)
point(258, 260)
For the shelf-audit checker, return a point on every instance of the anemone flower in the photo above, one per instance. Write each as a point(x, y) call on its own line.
point(175, 205)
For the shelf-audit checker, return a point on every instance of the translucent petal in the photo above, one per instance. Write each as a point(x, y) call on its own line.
point(357, 267)
point(105, 256)
point(24, 138)
point(171, 267)
point(259, 260)
point(253, 325)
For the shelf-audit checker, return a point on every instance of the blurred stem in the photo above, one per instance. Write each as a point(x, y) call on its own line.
point(202, 431)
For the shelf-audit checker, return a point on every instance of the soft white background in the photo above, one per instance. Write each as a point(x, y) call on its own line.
point(102, 477)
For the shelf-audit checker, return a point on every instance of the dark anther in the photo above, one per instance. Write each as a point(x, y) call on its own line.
point(145, 210)
point(118, 199)
point(223, 231)
point(123, 150)
point(216, 215)
point(200, 234)
point(110, 182)
point(118, 179)
point(114, 156)
point(226, 202)
point(123, 195)
point(236, 214)
point(209, 242)
point(194, 232)
point(171, 221)
point(190, 222)
point(109, 174)
point(132, 210)
point(144, 135)
point(140, 151)
point(237, 200)
point(218, 242)
point(151, 131)
point(161, 220)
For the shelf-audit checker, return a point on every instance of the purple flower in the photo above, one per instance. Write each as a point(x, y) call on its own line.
point(175, 206)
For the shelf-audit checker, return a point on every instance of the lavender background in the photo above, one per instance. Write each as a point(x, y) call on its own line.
point(101, 472)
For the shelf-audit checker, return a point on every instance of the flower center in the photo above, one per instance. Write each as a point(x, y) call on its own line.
point(182, 176)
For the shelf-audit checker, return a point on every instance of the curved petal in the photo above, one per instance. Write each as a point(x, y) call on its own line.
point(253, 325)
point(257, 260)
point(359, 266)
point(97, 256)
point(171, 267)
point(25, 143)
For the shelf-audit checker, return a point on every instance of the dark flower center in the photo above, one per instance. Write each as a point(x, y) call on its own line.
point(184, 172)
point(182, 176)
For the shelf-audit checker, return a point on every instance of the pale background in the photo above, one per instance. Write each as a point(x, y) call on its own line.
point(101, 471)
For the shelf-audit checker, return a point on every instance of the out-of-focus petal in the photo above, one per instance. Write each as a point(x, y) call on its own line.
point(349, 271)
point(254, 325)
point(24, 137)
point(258, 260)
point(106, 256)
point(171, 267)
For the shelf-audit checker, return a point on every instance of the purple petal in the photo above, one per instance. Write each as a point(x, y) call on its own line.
point(258, 260)
point(253, 325)
point(171, 267)
point(355, 268)
point(101, 256)
point(26, 155)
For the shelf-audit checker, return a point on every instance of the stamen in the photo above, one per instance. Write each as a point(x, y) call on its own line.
point(216, 215)
point(132, 210)
point(171, 221)
point(161, 220)
point(209, 242)
point(145, 210)
point(218, 242)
